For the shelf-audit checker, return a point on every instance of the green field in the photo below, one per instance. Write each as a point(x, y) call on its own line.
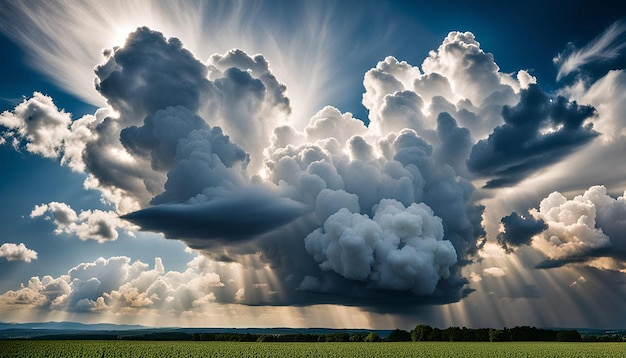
point(33, 348)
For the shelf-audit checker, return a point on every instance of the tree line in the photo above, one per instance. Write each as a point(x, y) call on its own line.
point(420, 333)
point(516, 334)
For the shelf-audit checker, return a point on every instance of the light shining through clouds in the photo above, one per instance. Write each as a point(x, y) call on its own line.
point(310, 165)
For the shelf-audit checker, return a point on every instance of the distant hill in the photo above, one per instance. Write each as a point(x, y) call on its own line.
point(75, 330)
point(79, 330)
point(75, 326)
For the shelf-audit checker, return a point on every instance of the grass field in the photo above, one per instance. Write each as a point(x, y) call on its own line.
point(31, 348)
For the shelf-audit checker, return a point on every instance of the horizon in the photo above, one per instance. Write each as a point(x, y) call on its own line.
point(298, 164)
point(298, 328)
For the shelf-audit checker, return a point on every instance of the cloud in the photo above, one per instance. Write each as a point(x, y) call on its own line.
point(587, 229)
point(399, 248)
point(475, 74)
point(15, 252)
point(220, 165)
point(136, 83)
point(307, 57)
point(458, 78)
point(607, 96)
point(116, 285)
point(537, 132)
point(159, 135)
point(518, 230)
point(455, 143)
point(38, 122)
point(227, 216)
point(127, 150)
point(329, 122)
point(98, 225)
point(494, 272)
point(603, 48)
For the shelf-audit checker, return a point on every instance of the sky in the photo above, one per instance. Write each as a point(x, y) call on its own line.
point(350, 164)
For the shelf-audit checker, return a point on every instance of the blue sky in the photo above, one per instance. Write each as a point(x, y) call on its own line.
point(349, 165)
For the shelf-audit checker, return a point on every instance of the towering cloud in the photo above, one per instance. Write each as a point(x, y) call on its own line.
point(207, 153)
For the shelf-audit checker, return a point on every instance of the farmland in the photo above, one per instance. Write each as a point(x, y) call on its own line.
point(31, 348)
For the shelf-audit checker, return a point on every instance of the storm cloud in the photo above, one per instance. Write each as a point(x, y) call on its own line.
point(518, 230)
point(538, 131)
point(226, 217)
point(382, 215)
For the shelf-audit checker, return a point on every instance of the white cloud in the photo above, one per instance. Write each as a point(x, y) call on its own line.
point(475, 277)
point(38, 122)
point(96, 225)
point(239, 295)
point(605, 47)
point(399, 248)
point(116, 285)
point(587, 228)
point(17, 252)
point(494, 271)
point(579, 281)
point(571, 228)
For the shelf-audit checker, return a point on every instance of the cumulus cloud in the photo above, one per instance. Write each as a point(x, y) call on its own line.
point(455, 143)
point(608, 46)
point(538, 131)
point(38, 122)
point(96, 225)
point(475, 73)
point(205, 152)
point(117, 285)
point(399, 248)
point(458, 78)
point(588, 228)
point(17, 252)
point(518, 230)
point(572, 230)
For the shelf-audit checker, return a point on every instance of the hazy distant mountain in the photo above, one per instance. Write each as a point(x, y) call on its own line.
point(72, 326)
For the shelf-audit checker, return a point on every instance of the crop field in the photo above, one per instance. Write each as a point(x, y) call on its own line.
point(33, 348)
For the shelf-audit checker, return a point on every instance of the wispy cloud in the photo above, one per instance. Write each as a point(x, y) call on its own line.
point(605, 47)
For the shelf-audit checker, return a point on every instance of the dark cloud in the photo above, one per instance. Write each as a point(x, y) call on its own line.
point(378, 216)
point(150, 73)
point(230, 216)
point(205, 160)
point(455, 143)
point(538, 131)
point(159, 136)
point(518, 230)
